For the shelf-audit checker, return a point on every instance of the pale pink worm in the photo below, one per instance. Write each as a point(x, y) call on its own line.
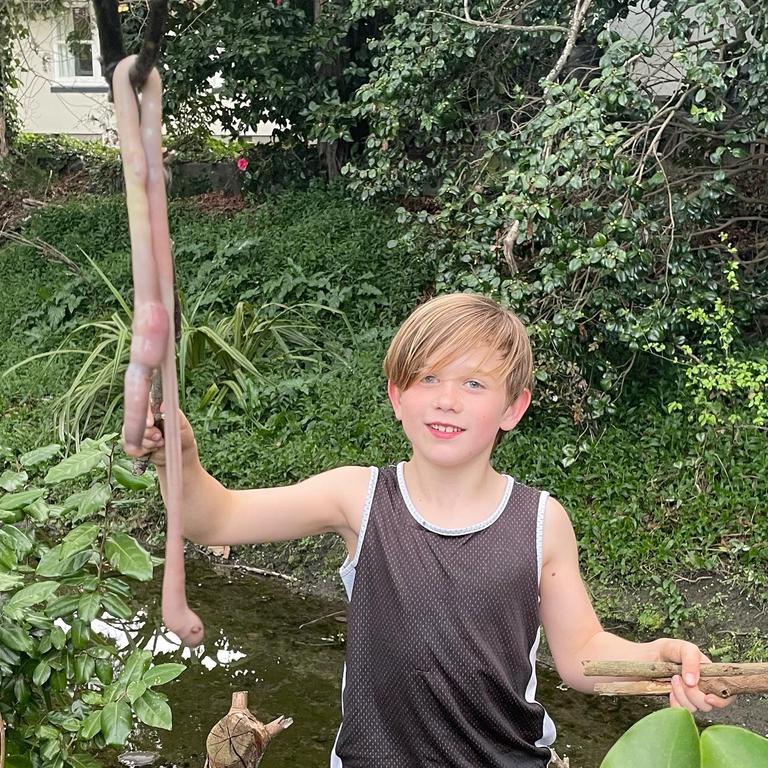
point(153, 342)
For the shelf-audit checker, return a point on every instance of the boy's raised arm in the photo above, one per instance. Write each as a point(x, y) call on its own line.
point(212, 514)
point(574, 633)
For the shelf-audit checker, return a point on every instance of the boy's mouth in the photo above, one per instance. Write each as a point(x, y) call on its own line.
point(444, 431)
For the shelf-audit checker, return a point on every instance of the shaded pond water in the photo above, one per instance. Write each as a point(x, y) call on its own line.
point(262, 637)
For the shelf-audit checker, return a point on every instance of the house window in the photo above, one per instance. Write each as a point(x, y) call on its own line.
point(76, 54)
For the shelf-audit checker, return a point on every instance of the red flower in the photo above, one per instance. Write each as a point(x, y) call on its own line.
point(242, 163)
point(278, 3)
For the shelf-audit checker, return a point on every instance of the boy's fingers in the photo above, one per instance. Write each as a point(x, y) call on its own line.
point(690, 698)
point(691, 658)
point(717, 702)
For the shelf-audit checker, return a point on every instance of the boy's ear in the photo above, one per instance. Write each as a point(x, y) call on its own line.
point(515, 411)
point(394, 397)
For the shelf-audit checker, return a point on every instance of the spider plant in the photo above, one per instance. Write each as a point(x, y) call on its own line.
point(230, 350)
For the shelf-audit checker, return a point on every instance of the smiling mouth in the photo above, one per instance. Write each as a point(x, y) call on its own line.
point(445, 429)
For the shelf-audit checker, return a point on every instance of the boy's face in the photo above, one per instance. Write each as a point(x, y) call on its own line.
point(452, 415)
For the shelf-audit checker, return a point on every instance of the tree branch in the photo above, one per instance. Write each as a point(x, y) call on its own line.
point(467, 19)
point(150, 46)
point(582, 6)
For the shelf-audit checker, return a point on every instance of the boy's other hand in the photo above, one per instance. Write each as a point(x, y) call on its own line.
point(152, 442)
point(685, 688)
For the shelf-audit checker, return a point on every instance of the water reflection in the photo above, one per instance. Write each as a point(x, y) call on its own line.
point(287, 651)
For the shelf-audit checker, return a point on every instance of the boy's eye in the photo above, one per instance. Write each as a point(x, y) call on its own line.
point(429, 379)
point(474, 384)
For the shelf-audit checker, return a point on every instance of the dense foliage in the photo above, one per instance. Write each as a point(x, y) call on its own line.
point(64, 563)
point(652, 497)
point(584, 179)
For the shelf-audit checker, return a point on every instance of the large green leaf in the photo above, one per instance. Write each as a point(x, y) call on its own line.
point(116, 722)
point(52, 564)
point(153, 710)
point(75, 466)
point(117, 607)
point(135, 666)
point(89, 501)
point(8, 557)
point(726, 746)
point(39, 455)
point(132, 482)
point(13, 637)
point(9, 581)
point(128, 556)
point(63, 606)
point(36, 593)
point(19, 540)
point(14, 501)
point(39, 511)
point(89, 606)
point(11, 481)
point(91, 725)
point(79, 539)
point(664, 739)
point(163, 673)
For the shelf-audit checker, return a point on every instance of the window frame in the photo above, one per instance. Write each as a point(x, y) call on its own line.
point(63, 23)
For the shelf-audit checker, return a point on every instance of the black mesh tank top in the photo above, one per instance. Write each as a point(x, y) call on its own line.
point(443, 627)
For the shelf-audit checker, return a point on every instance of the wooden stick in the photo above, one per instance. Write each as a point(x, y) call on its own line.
point(722, 686)
point(649, 670)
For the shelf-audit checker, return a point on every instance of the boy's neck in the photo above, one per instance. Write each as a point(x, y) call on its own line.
point(453, 496)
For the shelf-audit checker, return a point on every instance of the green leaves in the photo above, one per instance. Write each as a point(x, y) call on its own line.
point(726, 746)
point(152, 709)
point(128, 556)
point(39, 455)
point(669, 737)
point(75, 466)
point(71, 579)
point(34, 594)
point(162, 673)
point(15, 501)
point(665, 738)
point(116, 722)
point(13, 637)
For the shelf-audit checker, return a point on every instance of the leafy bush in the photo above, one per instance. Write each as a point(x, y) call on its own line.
point(580, 177)
point(64, 563)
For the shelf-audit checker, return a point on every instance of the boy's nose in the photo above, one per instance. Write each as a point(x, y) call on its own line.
point(448, 398)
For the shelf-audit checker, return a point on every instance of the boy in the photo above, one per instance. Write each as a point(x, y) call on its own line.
point(451, 566)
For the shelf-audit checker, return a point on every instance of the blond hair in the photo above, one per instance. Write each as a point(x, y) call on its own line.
point(443, 328)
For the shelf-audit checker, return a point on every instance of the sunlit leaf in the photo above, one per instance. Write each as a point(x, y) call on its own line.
point(163, 673)
point(14, 501)
point(74, 466)
point(662, 739)
point(726, 746)
point(39, 455)
point(53, 565)
point(153, 710)
point(11, 481)
point(116, 722)
point(128, 556)
point(78, 539)
point(38, 592)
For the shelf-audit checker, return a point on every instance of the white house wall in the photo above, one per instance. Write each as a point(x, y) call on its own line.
point(78, 107)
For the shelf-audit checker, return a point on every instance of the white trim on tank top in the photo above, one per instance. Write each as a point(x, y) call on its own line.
point(452, 531)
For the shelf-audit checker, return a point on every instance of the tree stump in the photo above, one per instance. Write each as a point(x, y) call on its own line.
point(238, 740)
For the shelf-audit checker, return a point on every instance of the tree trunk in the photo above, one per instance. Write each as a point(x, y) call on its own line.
point(3, 137)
